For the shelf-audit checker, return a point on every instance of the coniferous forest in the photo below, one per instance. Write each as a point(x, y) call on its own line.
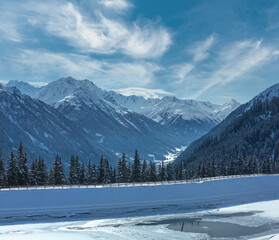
point(16, 170)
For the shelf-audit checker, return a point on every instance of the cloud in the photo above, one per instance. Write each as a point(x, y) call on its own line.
point(232, 63)
point(144, 92)
point(38, 84)
point(199, 50)
point(3, 81)
point(116, 4)
point(90, 29)
point(9, 27)
point(43, 64)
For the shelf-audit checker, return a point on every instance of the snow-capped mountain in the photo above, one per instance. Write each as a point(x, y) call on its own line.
point(104, 122)
point(43, 130)
point(190, 118)
point(116, 128)
point(24, 87)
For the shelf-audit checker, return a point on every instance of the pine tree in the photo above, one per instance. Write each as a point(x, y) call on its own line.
point(58, 171)
point(91, 177)
point(51, 178)
point(42, 174)
point(22, 163)
point(34, 173)
point(136, 168)
point(274, 167)
point(161, 174)
point(266, 167)
point(3, 176)
point(213, 169)
point(152, 172)
point(169, 172)
point(231, 170)
point(12, 171)
point(107, 172)
point(101, 171)
point(223, 168)
point(144, 171)
point(82, 179)
point(74, 172)
point(250, 166)
point(129, 172)
point(204, 169)
point(122, 170)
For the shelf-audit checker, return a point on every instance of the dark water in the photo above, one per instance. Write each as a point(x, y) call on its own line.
point(220, 229)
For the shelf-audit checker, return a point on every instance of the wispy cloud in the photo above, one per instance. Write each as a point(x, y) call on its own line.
point(42, 64)
point(3, 81)
point(232, 63)
point(144, 92)
point(199, 51)
point(88, 28)
point(116, 4)
point(9, 27)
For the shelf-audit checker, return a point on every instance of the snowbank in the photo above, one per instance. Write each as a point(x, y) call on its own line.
point(133, 200)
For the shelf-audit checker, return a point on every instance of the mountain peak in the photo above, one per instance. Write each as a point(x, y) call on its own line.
point(269, 93)
point(24, 87)
point(61, 89)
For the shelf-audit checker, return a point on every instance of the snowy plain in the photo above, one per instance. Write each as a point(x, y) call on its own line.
point(141, 212)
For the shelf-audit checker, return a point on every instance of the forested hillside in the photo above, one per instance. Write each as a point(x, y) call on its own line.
point(253, 134)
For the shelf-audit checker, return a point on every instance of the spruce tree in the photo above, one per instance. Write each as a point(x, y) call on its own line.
point(58, 171)
point(82, 179)
point(74, 172)
point(274, 167)
point(42, 174)
point(34, 173)
point(3, 176)
point(122, 170)
point(223, 168)
point(91, 177)
point(22, 163)
point(51, 178)
point(136, 168)
point(107, 172)
point(152, 172)
point(101, 170)
point(12, 171)
point(129, 172)
point(114, 175)
point(144, 171)
point(169, 172)
point(161, 174)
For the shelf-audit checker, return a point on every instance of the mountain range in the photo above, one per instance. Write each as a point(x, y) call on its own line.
point(70, 116)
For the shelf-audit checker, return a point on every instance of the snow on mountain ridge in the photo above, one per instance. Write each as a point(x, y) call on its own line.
point(24, 87)
point(269, 93)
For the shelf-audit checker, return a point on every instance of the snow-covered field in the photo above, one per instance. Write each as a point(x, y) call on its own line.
point(151, 227)
point(143, 212)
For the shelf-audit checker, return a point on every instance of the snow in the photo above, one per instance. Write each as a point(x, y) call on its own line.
point(171, 156)
point(70, 203)
point(100, 137)
point(138, 227)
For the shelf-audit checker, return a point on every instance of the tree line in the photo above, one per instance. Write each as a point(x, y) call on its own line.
point(18, 172)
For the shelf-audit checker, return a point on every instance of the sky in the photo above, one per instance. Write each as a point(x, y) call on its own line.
point(211, 50)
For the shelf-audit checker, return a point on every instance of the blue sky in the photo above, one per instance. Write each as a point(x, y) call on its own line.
point(211, 50)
